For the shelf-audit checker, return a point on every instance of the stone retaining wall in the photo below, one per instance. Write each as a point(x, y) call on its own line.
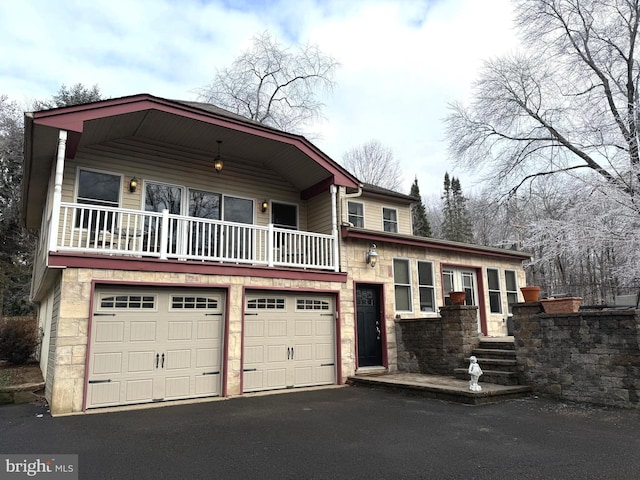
point(437, 345)
point(589, 356)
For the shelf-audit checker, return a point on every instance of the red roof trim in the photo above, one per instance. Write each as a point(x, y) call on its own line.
point(169, 266)
point(425, 242)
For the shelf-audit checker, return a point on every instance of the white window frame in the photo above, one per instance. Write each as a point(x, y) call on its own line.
point(349, 202)
point(513, 293)
point(390, 222)
point(407, 286)
point(494, 291)
point(104, 172)
point(427, 287)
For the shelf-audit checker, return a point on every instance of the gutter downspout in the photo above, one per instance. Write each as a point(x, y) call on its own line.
point(345, 197)
point(57, 192)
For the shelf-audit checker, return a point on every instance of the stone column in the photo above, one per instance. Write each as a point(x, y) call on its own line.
point(459, 334)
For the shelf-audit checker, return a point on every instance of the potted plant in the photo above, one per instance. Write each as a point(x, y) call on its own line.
point(530, 294)
point(457, 298)
point(561, 304)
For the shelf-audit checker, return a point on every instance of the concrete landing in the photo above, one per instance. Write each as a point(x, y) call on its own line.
point(441, 387)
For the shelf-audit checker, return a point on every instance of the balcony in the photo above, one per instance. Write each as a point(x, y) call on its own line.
point(115, 231)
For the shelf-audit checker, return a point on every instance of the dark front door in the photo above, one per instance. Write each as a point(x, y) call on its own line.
point(369, 327)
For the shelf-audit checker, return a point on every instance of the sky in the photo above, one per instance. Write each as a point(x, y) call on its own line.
point(402, 62)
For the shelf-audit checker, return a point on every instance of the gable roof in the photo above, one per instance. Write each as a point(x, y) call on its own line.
point(193, 126)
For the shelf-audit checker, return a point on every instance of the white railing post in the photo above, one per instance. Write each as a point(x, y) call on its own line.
point(57, 191)
point(164, 234)
point(334, 227)
point(270, 244)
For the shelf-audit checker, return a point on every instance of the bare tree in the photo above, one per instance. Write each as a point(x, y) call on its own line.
point(569, 105)
point(566, 106)
point(274, 85)
point(373, 163)
point(67, 96)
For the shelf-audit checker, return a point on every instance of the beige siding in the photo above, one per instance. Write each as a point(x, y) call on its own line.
point(157, 163)
point(53, 343)
point(373, 212)
point(319, 217)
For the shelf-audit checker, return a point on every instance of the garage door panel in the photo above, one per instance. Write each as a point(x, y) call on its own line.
point(276, 353)
point(303, 375)
point(177, 359)
point(303, 352)
point(208, 330)
point(102, 394)
point(254, 328)
point(122, 367)
point(324, 352)
point(253, 354)
point(304, 327)
point(141, 361)
point(177, 386)
point(179, 330)
point(276, 378)
point(107, 363)
point(325, 374)
point(109, 332)
point(207, 384)
point(207, 357)
point(324, 327)
point(142, 332)
point(139, 390)
point(277, 328)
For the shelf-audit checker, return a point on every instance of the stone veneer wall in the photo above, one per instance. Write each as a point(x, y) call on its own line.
point(589, 356)
point(437, 345)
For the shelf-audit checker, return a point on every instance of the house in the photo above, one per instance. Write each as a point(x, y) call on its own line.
point(186, 252)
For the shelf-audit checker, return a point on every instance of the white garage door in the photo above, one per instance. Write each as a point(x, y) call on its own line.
point(154, 345)
point(289, 341)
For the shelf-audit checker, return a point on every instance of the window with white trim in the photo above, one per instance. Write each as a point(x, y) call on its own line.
point(493, 285)
point(311, 304)
point(356, 214)
point(390, 220)
point(179, 302)
point(426, 287)
point(511, 284)
point(402, 284)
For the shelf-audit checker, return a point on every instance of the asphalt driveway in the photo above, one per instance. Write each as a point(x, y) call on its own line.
point(340, 433)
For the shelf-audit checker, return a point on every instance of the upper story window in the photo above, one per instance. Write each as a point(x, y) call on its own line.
point(101, 189)
point(402, 284)
point(493, 283)
point(97, 188)
point(512, 288)
point(284, 215)
point(356, 214)
point(426, 287)
point(390, 220)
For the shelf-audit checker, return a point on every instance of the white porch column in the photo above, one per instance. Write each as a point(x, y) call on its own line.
point(57, 192)
point(164, 234)
point(334, 227)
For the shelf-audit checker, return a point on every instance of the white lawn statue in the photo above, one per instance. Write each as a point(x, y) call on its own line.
point(475, 371)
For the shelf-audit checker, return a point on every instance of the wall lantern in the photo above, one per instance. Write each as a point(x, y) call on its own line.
point(218, 164)
point(372, 255)
point(264, 206)
point(133, 185)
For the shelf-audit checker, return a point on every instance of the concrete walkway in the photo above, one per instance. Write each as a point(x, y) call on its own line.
point(441, 387)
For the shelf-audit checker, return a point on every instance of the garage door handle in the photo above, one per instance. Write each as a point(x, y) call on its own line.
point(291, 353)
point(157, 359)
point(288, 354)
point(163, 360)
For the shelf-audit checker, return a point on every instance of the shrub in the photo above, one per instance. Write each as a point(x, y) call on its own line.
point(18, 339)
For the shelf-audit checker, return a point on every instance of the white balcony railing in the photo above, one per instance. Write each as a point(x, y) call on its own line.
point(118, 231)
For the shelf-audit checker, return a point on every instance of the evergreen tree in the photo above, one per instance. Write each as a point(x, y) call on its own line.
point(456, 224)
point(421, 227)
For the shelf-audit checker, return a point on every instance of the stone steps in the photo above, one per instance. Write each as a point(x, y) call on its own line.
point(497, 359)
